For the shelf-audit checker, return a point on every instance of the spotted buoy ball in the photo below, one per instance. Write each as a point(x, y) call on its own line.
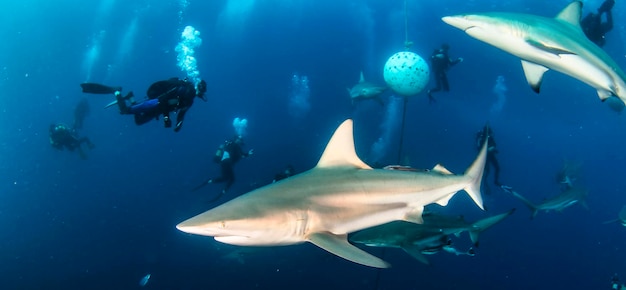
point(406, 73)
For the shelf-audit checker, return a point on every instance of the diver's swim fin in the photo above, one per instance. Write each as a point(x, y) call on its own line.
point(93, 88)
point(204, 183)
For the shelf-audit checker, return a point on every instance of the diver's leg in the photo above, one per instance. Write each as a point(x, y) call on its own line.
point(444, 83)
point(229, 174)
point(145, 111)
point(496, 170)
point(121, 103)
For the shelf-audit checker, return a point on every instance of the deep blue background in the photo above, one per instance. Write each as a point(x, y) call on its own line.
point(105, 222)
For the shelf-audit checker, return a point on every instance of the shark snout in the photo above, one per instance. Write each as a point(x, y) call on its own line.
point(458, 21)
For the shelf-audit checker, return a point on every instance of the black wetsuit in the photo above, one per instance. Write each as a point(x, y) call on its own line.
point(63, 137)
point(592, 24)
point(440, 63)
point(492, 150)
point(173, 95)
point(232, 153)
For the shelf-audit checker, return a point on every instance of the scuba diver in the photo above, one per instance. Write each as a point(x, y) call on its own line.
point(61, 136)
point(592, 24)
point(227, 155)
point(163, 97)
point(487, 134)
point(440, 62)
point(616, 284)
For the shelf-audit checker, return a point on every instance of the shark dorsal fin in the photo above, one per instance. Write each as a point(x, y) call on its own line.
point(340, 150)
point(362, 79)
point(440, 169)
point(571, 13)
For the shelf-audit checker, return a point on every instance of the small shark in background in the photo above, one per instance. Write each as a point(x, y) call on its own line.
point(548, 43)
point(621, 217)
point(340, 195)
point(565, 199)
point(426, 238)
point(366, 91)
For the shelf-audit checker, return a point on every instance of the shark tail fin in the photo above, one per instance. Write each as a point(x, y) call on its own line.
point(481, 225)
point(475, 173)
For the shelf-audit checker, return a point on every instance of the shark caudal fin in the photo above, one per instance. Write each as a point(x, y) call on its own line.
point(475, 173)
point(481, 225)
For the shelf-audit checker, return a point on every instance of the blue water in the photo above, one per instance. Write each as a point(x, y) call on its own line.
point(106, 222)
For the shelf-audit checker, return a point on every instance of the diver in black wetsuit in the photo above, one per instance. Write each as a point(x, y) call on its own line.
point(61, 136)
point(593, 26)
point(163, 97)
point(492, 162)
point(227, 155)
point(616, 284)
point(440, 62)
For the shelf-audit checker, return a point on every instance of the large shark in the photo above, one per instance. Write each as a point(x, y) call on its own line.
point(340, 195)
point(366, 91)
point(548, 43)
point(568, 197)
point(417, 239)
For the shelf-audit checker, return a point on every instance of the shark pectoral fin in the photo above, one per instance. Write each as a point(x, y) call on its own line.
point(339, 245)
point(571, 13)
point(481, 225)
point(604, 94)
point(547, 48)
point(415, 215)
point(416, 253)
point(534, 74)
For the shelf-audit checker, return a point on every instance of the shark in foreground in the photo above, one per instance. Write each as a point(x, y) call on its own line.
point(568, 197)
point(366, 91)
point(340, 195)
point(548, 43)
point(420, 239)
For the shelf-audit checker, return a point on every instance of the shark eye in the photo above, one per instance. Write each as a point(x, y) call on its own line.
point(223, 224)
